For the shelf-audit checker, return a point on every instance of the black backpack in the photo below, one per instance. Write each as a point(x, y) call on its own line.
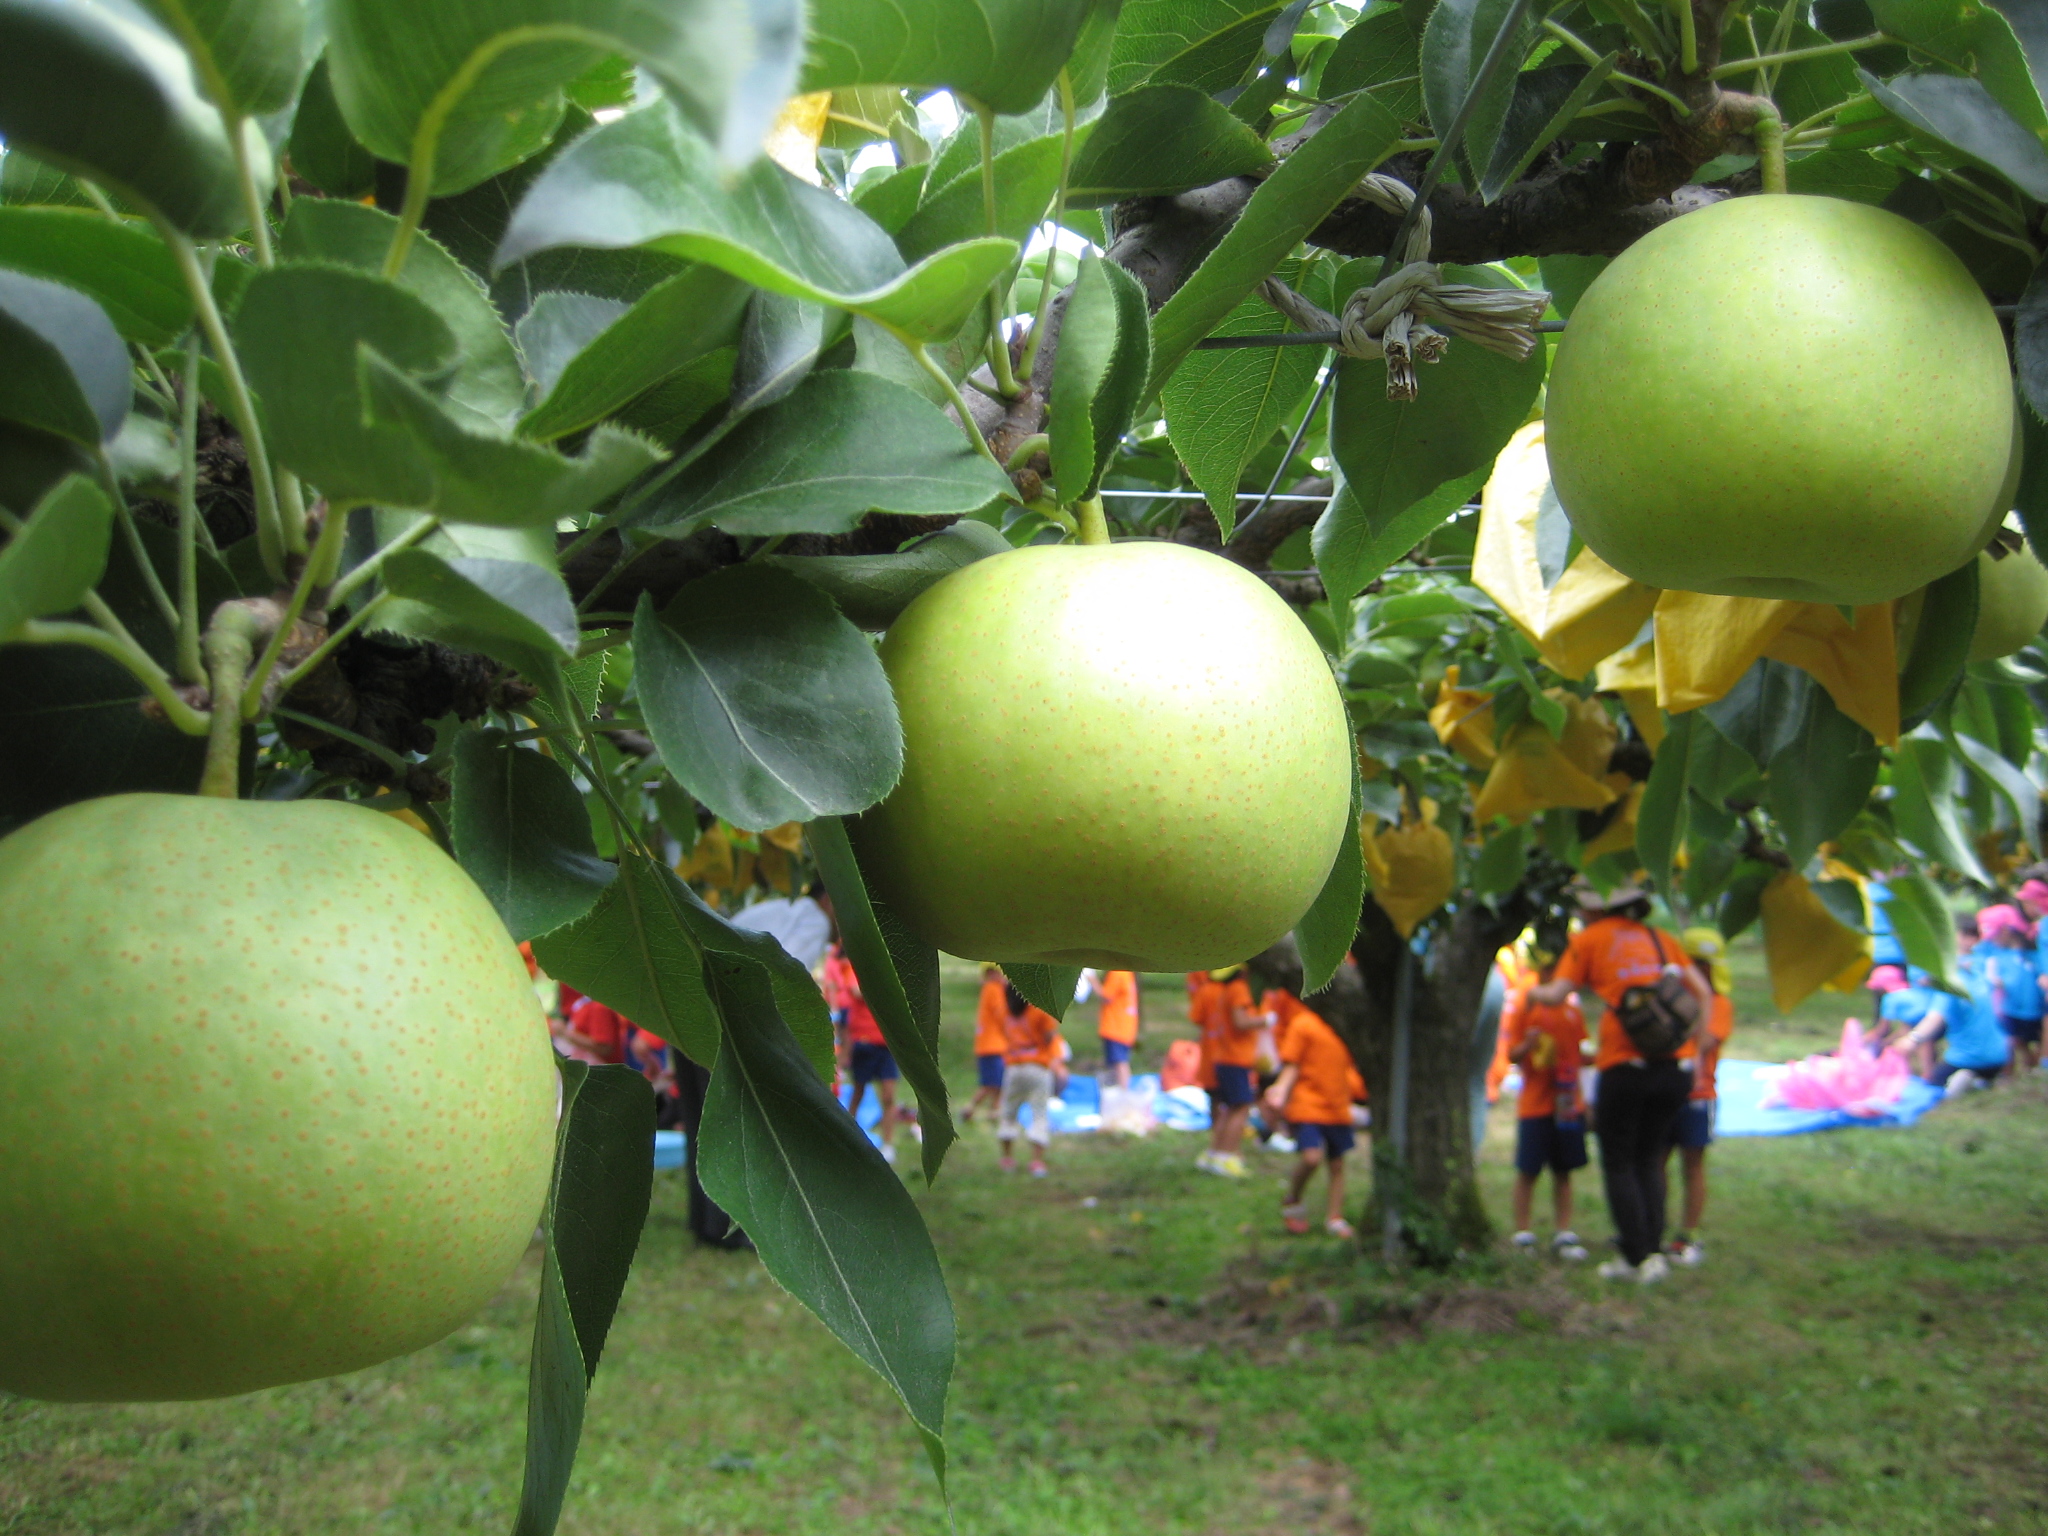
point(1659, 1018)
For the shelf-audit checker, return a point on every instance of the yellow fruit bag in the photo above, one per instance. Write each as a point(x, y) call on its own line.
point(1413, 868)
point(1805, 947)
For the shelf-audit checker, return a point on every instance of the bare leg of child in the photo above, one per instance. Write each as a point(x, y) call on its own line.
point(1334, 1216)
point(1561, 1200)
point(1694, 1160)
point(887, 1129)
point(1305, 1169)
point(1525, 1198)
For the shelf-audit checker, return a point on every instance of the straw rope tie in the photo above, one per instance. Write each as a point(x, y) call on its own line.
point(1411, 315)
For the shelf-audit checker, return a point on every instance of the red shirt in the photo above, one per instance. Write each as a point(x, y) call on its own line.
point(842, 991)
point(605, 1028)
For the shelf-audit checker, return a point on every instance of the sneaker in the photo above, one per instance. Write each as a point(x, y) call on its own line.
point(1686, 1253)
point(1231, 1166)
point(1653, 1269)
point(1618, 1269)
point(1206, 1163)
point(1281, 1144)
point(1007, 1163)
point(889, 1153)
point(1337, 1226)
point(1525, 1243)
point(1295, 1219)
point(1038, 1169)
point(1566, 1246)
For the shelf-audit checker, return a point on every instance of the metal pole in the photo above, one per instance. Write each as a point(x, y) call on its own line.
point(1397, 1106)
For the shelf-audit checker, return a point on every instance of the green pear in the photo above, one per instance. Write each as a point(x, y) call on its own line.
point(1131, 756)
point(276, 1097)
point(1782, 397)
point(2012, 604)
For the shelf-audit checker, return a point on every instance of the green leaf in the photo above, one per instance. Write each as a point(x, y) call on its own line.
point(1964, 116)
point(395, 62)
point(1821, 776)
point(1208, 44)
point(103, 92)
point(322, 149)
point(765, 703)
point(1742, 901)
point(781, 340)
point(1050, 987)
point(1921, 923)
point(842, 445)
point(477, 477)
point(1999, 775)
point(1970, 39)
point(1329, 927)
point(648, 180)
point(1099, 374)
point(248, 54)
point(1843, 173)
point(487, 382)
point(1762, 713)
point(509, 610)
point(124, 267)
point(673, 325)
point(904, 996)
point(1454, 44)
point(1352, 547)
point(871, 590)
point(1545, 103)
point(521, 832)
point(1027, 176)
point(1661, 818)
point(1939, 646)
point(1502, 861)
point(833, 1223)
point(1379, 49)
point(1288, 204)
point(1924, 807)
point(1005, 54)
point(597, 1205)
point(63, 366)
point(58, 556)
point(1160, 140)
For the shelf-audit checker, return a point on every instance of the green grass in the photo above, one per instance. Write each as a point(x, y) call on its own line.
point(1862, 1353)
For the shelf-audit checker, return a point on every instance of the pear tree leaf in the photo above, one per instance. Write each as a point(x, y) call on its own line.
point(906, 1010)
point(781, 340)
point(647, 180)
point(872, 590)
point(1454, 44)
point(765, 703)
point(63, 366)
point(498, 71)
point(122, 266)
point(597, 1206)
point(322, 149)
point(1099, 374)
point(522, 834)
point(248, 54)
point(1352, 544)
point(1208, 44)
point(510, 610)
point(1005, 54)
point(1159, 140)
point(102, 91)
point(843, 444)
point(1962, 114)
point(1544, 104)
point(58, 555)
point(1050, 987)
point(1027, 176)
point(1328, 929)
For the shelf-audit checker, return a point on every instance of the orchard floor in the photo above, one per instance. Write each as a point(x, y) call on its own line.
point(1142, 1350)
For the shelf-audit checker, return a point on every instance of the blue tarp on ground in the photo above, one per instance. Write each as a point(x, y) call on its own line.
point(1079, 1108)
point(1744, 1084)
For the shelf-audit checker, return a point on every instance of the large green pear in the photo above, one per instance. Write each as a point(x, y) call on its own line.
point(276, 1097)
point(1782, 397)
point(2012, 604)
point(1131, 756)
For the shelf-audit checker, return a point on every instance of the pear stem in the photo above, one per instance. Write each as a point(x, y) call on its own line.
point(1093, 525)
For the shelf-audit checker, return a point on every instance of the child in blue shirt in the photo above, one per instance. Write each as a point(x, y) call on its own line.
point(2011, 967)
point(1974, 1047)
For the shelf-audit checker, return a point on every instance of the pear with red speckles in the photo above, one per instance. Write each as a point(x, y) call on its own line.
point(276, 1097)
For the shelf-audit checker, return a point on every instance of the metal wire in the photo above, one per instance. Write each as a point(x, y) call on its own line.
point(1329, 338)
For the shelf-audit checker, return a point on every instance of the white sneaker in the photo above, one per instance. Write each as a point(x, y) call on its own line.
point(1566, 1246)
point(1206, 1163)
point(1231, 1166)
point(1283, 1144)
point(1653, 1269)
point(1525, 1243)
point(1688, 1255)
point(1618, 1269)
point(889, 1153)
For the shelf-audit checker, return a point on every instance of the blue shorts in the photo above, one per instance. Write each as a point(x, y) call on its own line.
point(1540, 1143)
point(873, 1064)
point(1233, 1086)
point(988, 1070)
point(1335, 1140)
point(1696, 1124)
point(1115, 1053)
point(2021, 1031)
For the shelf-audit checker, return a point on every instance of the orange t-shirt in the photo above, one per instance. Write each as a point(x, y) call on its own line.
point(989, 1014)
point(1566, 1026)
point(1608, 957)
point(1031, 1038)
point(1327, 1080)
point(1119, 1018)
point(1720, 1025)
point(1215, 1012)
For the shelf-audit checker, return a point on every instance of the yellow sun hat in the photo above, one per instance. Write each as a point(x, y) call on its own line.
point(1708, 945)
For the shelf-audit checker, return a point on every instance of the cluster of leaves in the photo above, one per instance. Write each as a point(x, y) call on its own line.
point(392, 316)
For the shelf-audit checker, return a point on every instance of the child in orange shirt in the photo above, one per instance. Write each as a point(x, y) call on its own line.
point(1032, 1048)
point(1222, 1010)
point(1314, 1091)
point(1696, 1122)
point(1117, 1025)
point(1545, 1041)
point(989, 1042)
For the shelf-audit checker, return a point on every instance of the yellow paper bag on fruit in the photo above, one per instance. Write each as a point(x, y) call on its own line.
point(1804, 946)
point(1413, 867)
point(1632, 675)
point(1619, 835)
point(793, 142)
point(710, 862)
point(1463, 720)
point(1706, 642)
point(1857, 663)
point(1537, 771)
point(1591, 610)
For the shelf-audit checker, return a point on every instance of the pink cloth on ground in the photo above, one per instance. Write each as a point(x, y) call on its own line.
point(1852, 1079)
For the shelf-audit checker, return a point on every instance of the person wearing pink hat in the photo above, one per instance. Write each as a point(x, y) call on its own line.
point(2012, 968)
point(2032, 897)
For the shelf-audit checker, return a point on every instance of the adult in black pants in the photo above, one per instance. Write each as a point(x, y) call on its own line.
point(1635, 1113)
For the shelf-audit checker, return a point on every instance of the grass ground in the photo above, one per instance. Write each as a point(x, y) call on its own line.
point(1142, 1351)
